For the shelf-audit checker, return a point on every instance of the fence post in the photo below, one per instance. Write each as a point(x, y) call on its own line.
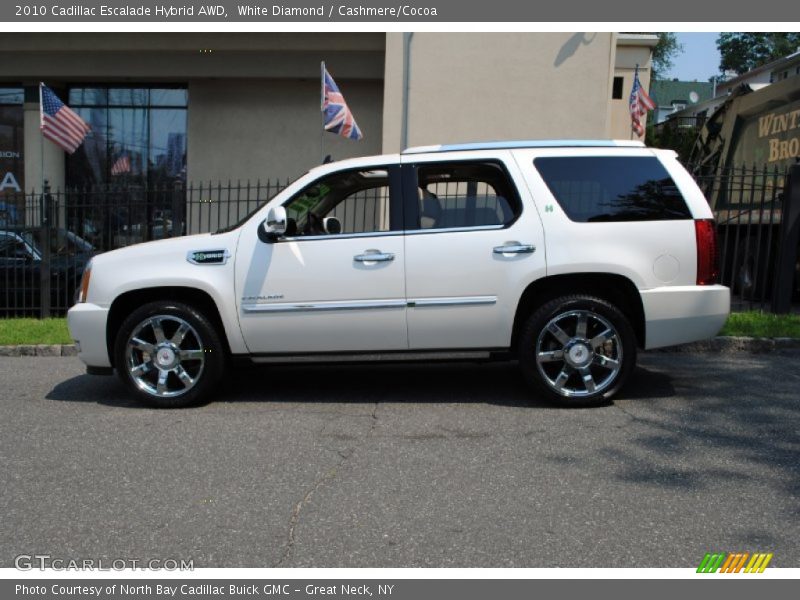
point(44, 268)
point(788, 241)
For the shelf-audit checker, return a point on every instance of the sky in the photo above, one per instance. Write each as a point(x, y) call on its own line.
point(699, 59)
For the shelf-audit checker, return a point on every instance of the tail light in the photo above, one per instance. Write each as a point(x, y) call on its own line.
point(707, 254)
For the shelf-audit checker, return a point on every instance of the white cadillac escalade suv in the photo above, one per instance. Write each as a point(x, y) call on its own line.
point(566, 256)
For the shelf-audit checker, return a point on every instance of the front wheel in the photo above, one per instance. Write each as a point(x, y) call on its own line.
point(577, 350)
point(169, 354)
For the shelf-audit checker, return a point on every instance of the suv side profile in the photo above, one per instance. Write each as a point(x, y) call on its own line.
point(566, 256)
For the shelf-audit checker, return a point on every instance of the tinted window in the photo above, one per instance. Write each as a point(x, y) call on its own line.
point(613, 188)
point(465, 195)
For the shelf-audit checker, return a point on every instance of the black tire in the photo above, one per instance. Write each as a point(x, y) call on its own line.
point(576, 362)
point(200, 355)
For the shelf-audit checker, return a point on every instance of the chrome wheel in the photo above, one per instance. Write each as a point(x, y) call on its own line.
point(165, 356)
point(578, 354)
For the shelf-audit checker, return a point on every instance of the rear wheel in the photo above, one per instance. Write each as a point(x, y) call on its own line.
point(577, 350)
point(169, 355)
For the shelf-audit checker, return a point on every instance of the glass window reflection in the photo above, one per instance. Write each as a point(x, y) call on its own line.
point(138, 136)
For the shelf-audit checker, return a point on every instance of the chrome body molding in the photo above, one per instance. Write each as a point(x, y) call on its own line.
point(452, 301)
point(366, 304)
point(323, 306)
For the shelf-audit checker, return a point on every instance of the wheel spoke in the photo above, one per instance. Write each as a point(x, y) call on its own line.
point(184, 376)
point(179, 334)
point(161, 387)
point(158, 330)
point(191, 354)
point(601, 339)
point(562, 378)
point(550, 356)
point(141, 369)
point(558, 333)
point(605, 361)
point(588, 380)
point(140, 344)
point(580, 328)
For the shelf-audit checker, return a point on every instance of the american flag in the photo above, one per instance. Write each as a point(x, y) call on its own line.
point(337, 115)
point(59, 123)
point(122, 165)
point(639, 103)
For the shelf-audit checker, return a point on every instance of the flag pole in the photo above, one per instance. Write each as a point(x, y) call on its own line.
point(43, 215)
point(321, 112)
point(635, 77)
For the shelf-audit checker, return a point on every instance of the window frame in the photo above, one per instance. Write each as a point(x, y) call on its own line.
point(411, 198)
point(395, 206)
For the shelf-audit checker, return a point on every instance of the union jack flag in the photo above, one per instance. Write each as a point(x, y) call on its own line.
point(336, 114)
point(639, 103)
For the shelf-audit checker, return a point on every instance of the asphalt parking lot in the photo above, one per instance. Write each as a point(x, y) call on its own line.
point(406, 466)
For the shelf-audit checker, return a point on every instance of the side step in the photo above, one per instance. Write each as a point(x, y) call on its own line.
point(383, 357)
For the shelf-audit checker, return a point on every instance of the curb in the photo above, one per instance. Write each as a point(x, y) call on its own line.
point(734, 345)
point(39, 350)
point(720, 345)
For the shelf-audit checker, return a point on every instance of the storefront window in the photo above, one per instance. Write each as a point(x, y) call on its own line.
point(12, 166)
point(138, 136)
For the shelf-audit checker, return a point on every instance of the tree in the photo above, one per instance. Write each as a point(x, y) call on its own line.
point(663, 54)
point(742, 52)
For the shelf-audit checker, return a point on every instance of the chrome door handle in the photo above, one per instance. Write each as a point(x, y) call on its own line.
point(374, 256)
point(515, 249)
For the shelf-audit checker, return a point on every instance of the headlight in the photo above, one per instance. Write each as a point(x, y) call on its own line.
point(83, 291)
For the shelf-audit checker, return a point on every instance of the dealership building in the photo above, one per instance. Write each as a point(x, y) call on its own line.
point(243, 106)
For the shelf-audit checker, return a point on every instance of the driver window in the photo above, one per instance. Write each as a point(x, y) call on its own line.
point(345, 202)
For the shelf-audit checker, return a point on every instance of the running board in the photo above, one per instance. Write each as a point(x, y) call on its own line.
point(370, 357)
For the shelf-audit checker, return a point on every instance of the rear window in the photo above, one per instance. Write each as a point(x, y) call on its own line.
point(594, 189)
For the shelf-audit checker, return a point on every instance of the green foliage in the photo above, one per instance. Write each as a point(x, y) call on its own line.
point(672, 137)
point(742, 52)
point(664, 53)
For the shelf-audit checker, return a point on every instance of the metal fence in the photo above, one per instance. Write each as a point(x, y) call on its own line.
point(45, 240)
point(750, 206)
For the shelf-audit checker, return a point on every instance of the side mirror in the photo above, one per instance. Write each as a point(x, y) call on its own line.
point(332, 225)
point(275, 225)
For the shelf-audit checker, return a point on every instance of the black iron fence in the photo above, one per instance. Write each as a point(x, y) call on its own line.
point(45, 240)
point(751, 206)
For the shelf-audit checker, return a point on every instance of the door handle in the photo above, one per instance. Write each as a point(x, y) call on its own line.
point(515, 248)
point(374, 256)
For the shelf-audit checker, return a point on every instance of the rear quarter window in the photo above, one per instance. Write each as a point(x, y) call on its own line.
point(594, 189)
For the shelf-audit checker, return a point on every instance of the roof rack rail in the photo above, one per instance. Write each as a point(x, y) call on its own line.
point(511, 144)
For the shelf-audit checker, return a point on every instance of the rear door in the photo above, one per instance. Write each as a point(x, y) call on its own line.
point(473, 243)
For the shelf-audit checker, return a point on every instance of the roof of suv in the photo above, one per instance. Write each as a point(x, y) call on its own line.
point(512, 144)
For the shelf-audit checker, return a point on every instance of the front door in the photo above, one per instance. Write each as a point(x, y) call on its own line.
point(335, 281)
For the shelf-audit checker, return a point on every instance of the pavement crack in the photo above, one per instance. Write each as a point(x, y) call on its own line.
point(294, 520)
